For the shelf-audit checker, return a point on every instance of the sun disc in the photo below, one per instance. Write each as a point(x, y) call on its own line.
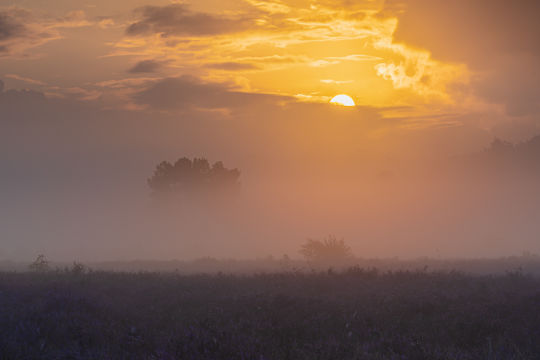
point(343, 100)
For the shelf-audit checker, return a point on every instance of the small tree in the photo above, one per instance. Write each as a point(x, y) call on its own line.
point(78, 268)
point(328, 251)
point(41, 264)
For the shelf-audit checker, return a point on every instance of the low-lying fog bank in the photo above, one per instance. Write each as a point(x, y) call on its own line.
point(524, 264)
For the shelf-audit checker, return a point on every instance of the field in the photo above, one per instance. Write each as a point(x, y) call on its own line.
point(356, 314)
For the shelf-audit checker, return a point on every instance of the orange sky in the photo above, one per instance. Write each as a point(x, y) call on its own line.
point(392, 54)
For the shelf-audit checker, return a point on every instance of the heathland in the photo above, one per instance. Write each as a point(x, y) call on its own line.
point(351, 314)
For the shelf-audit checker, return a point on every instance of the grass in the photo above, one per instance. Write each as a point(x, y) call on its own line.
point(357, 314)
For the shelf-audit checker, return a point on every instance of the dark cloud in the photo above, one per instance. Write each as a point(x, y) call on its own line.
point(468, 31)
point(177, 19)
point(513, 81)
point(232, 66)
point(497, 39)
point(19, 30)
point(187, 92)
point(146, 66)
point(10, 27)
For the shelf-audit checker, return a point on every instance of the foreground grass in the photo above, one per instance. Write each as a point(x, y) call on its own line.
point(354, 315)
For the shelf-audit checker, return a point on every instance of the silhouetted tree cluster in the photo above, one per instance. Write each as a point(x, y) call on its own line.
point(327, 251)
point(519, 158)
point(499, 147)
point(526, 149)
point(500, 161)
point(188, 176)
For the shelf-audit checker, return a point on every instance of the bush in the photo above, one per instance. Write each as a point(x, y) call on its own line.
point(41, 264)
point(328, 251)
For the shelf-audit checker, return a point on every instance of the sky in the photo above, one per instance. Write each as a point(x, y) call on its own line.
point(95, 93)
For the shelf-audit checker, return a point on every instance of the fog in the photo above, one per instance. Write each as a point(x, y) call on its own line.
point(74, 187)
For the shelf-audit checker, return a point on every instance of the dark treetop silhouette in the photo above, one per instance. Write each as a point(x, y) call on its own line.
point(194, 177)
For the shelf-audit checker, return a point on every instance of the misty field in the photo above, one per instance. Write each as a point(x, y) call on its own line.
point(357, 314)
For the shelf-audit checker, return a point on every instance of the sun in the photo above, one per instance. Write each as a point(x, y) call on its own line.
point(343, 100)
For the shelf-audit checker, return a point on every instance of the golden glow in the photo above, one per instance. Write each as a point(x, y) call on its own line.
point(291, 49)
point(307, 50)
point(343, 100)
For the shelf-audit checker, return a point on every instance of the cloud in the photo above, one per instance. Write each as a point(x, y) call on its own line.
point(337, 82)
point(146, 66)
point(177, 19)
point(469, 31)
point(24, 79)
point(22, 29)
point(351, 4)
point(256, 35)
point(333, 60)
point(187, 92)
point(232, 66)
point(355, 57)
point(271, 6)
point(496, 39)
point(73, 19)
point(19, 31)
point(10, 26)
point(276, 22)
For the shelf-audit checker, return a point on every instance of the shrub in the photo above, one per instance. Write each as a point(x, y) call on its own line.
point(41, 264)
point(328, 251)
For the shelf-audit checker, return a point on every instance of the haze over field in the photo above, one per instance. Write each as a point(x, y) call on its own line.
point(94, 94)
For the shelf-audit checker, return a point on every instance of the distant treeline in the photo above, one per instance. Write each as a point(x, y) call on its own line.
point(505, 157)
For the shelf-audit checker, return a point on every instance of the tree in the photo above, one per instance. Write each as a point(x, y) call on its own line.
point(499, 147)
point(78, 268)
point(328, 251)
point(190, 177)
point(41, 264)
